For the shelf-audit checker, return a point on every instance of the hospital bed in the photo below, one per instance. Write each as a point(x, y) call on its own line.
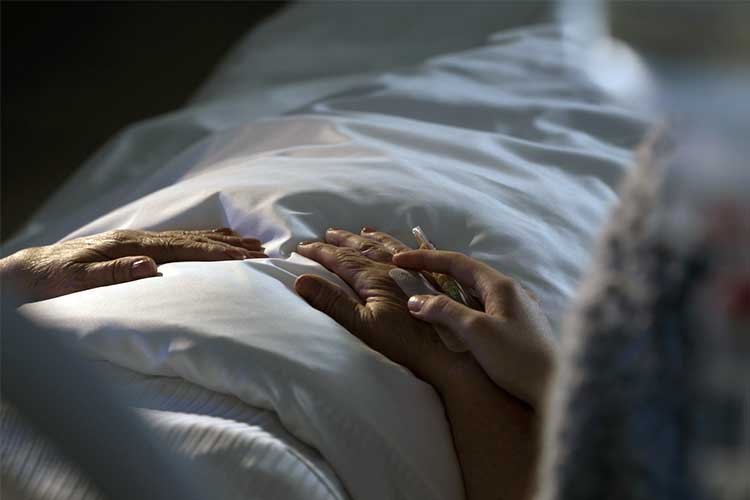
point(466, 119)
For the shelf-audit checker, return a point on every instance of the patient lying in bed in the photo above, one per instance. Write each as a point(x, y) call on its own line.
point(503, 154)
point(493, 395)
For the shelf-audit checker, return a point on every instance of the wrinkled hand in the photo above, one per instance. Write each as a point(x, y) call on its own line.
point(115, 257)
point(382, 319)
point(511, 340)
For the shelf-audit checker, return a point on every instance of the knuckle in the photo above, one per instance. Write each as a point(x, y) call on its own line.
point(379, 236)
point(207, 247)
point(439, 304)
point(376, 252)
point(171, 242)
point(120, 271)
point(349, 256)
point(347, 251)
point(116, 235)
point(367, 246)
point(165, 242)
point(79, 276)
point(505, 286)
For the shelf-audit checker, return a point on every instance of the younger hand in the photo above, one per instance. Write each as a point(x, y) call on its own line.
point(114, 257)
point(512, 340)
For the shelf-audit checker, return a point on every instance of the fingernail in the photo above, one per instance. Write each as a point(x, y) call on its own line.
point(236, 253)
point(333, 228)
point(142, 268)
point(416, 302)
point(304, 243)
point(367, 229)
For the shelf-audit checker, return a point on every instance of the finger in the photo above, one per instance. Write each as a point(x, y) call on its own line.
point(246, 243)
point(224, 230)
point(461, 267)
point(392, 244)
point(494, 288)
point(185, 232)
point(345, 262)
point(224, 235)
point(331, 300)
point(193, 249)
point(118, 271)
point(232, 239)
point(178, 249)
point(370, 249)
point(513, 358)
point(442, 311)
point(235, 241)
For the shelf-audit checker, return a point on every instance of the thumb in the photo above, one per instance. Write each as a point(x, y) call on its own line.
point(454, 322)
point(517, 357)
point(120, 270)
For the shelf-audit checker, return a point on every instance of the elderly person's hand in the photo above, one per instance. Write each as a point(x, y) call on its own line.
point(114, 257)
point(381, 318)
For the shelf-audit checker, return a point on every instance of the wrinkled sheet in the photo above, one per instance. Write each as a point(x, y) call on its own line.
point(502, 152)
point(236, 450)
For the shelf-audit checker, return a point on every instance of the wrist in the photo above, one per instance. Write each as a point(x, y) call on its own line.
point(458, 373)
point(15, 289)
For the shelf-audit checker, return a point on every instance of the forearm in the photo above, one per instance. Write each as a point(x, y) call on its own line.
point(494, 434)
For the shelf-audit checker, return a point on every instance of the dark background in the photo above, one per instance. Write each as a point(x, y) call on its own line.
point(75, 73)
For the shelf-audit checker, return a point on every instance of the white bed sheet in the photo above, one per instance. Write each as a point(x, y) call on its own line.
point(308, 51)
point(501, 152)
point(242, 451)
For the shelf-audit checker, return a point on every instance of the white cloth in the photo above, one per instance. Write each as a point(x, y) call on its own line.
point(243, 452)
point(501, 152)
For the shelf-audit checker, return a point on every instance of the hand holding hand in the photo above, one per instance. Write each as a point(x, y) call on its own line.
point(495, 433)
